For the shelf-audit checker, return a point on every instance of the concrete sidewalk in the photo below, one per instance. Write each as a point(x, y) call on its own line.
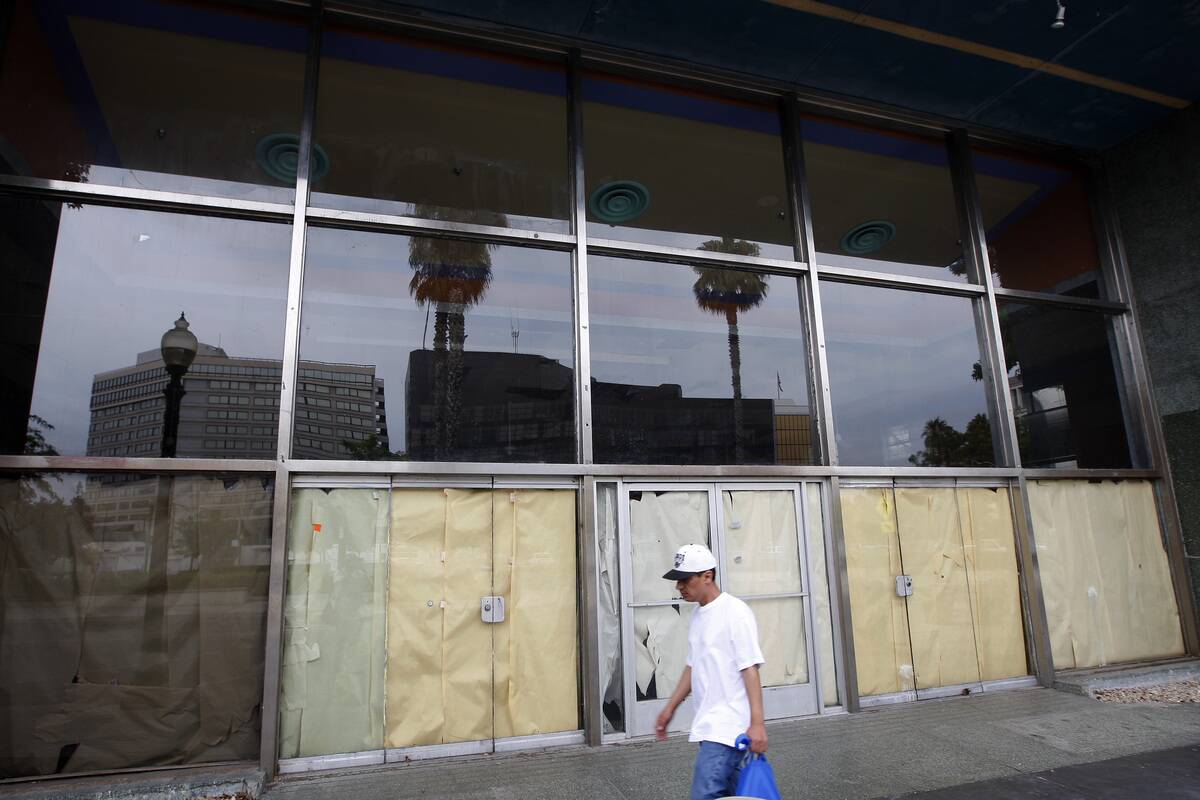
point(884, 752)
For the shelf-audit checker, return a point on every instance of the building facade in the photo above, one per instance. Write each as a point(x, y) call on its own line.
point(888, 365)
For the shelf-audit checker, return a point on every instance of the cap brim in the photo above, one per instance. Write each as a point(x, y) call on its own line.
point(678, 575)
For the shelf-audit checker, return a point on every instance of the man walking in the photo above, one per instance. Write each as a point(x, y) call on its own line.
point(722, 672)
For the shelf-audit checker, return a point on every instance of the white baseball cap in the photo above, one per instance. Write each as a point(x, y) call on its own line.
point(690, 559)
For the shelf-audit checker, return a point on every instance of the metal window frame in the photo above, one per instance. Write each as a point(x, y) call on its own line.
point(794, 101)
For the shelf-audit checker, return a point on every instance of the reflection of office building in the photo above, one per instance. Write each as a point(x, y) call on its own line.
point(231, 409)
point(124, 511)
point(514, 405)
point(793, 434)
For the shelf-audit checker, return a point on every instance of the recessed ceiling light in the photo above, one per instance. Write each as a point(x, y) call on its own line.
point(867, 237)
point(279, 153)
point(619, 201)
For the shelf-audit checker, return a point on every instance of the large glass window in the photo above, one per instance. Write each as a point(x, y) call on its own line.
point(1039, 224)
point(906, 378)
point(685, 169)
point(435, 350)
point(132, 620)
point(1064, 383)
point(90, 291)
point(158, 94)
point(882, 201)
point(406, 127)
point(696, 365)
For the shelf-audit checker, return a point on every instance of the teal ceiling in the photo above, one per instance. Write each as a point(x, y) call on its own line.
point(1116, 67)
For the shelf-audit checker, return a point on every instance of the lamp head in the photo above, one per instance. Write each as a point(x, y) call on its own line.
point(1060, 17)
point(179, 346)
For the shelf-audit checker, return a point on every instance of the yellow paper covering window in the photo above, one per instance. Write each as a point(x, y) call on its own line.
point(1104, 572)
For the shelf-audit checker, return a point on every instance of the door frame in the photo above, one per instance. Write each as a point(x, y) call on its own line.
point(778, 701)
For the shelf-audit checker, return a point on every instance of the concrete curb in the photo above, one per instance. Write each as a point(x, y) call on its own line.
point(1087, 683)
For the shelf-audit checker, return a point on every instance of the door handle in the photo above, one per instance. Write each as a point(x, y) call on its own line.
point(491, 609)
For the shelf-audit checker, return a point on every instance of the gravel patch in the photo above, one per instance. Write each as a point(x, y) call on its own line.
point(1180, 692)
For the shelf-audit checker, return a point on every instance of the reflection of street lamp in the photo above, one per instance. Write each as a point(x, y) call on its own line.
point(178, 348)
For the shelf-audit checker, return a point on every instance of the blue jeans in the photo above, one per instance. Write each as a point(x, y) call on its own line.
point(716, 772)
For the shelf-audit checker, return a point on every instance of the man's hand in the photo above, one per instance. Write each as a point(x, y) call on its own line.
point(758, 737)
point(660, 724)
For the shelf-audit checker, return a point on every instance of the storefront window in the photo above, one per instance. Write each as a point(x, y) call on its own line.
point(906, 378)
point(412, 128)
point(185, 97)
point(90, 291)
point(132, 620)
point(882, 201)
point(684, 169)
point(696, 365)
point(1039, 225)
point(1064, 383)
point(440, 350)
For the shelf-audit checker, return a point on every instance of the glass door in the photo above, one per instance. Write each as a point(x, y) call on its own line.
point(482, 623)
point(439, 639)
point(934, 589)
point(764, 561)
point(659, 520)
point(757, 533)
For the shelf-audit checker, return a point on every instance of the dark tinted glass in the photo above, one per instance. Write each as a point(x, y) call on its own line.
point(132, 620)
point(696, 365)
point(89, 292)
point(882, 201)
point(905, 378)
point(405, 127)
point(1064, 386)
point(1039, 224)
point(187, 97)
point(685, 169)
point(435, 350)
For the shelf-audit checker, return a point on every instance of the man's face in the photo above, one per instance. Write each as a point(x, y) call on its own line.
point(688, 587)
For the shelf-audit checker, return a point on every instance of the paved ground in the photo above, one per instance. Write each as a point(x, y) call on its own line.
point(886, 752)
point(1163, 775)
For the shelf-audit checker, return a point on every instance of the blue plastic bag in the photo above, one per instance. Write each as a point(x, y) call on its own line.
point(757, 779)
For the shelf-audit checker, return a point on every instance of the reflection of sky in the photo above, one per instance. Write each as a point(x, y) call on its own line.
point(119, 281)
point(647, 330)
point(896, 360)
point(358, 309)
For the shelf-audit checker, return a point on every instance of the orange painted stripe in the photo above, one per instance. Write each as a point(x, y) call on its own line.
point(981, 50)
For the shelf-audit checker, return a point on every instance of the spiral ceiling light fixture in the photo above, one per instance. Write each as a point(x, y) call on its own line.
point(867, 237)
point(619, 201)
point(279, 153)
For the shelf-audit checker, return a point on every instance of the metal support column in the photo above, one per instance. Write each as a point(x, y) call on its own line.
point(591, 653)
point(579, 260)
point(826, 443)
point(272, 662)
point(995, 369)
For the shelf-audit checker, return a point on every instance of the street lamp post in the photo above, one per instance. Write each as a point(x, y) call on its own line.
point(178, 348)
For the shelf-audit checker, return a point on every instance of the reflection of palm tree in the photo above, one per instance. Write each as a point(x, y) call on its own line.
point(453, 274)
point(727, 292)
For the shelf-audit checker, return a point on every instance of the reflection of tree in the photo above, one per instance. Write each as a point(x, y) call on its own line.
point(453, 274)
point(947, 447)
point(35, 438)
point(726, 292)
point(370, 449)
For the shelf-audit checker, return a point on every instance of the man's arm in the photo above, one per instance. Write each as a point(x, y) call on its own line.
point(757, 731)
point(682, 690)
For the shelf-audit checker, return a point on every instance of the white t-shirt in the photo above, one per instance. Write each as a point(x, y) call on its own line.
point(722, 641)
